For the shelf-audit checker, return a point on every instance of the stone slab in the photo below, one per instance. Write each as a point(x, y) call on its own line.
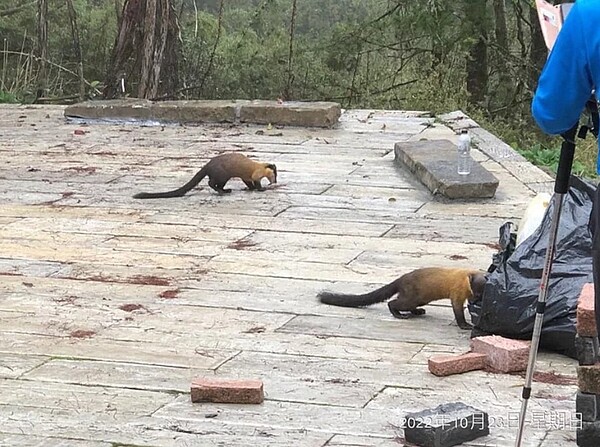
point(446, 425)
point(143, 109)
point(434, 164)
point(291, 113)
point(294, 113)
point(504, 354)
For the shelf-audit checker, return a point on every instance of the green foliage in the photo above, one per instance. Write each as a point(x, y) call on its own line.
point(549, 156)
point(7, 98)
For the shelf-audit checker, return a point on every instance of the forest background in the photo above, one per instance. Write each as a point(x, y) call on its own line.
point(479, 56)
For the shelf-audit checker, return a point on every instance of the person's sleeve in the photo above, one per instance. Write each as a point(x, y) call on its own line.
point(565, 84)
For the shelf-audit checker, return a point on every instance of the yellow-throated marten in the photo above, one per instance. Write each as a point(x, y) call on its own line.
point(417, 288)
point(219, 170)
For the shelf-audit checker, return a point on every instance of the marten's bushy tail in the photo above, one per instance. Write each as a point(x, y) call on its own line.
point(179, 192)
point(366, 299)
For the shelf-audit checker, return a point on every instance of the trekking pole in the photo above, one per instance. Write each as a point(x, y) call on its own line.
point(561, 187)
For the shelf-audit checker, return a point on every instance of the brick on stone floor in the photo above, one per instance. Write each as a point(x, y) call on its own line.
point(589, 378)
point(586, 317)
point(446, 425)
point(586, 349)
point(227, 391)
point(503, 354)
point(589, 434)
point(447, 365)
point(587, 405)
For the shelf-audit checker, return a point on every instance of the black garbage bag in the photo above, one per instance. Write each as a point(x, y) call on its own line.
point(508, 304)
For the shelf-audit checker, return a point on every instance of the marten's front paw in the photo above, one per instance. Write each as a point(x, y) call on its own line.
point(465, 326)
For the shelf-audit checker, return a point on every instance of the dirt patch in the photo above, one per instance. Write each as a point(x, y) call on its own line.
point(82, 333)
point(255, 330)
point(241, 244)
point(493, 245)
point(169, 294)
point(546, 395)
point(344, 381)
point(552, 378)
point(105, 153)
point(69, 299)
point(457, 257)
point(85, 169)
point(148, 280)
point(132, 307)
point(11, 274)
point(67, 194)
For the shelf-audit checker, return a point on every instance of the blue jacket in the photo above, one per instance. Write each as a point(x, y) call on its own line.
point(571, 72)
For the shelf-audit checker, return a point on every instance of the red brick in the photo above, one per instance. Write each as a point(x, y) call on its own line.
point(586, 318)
point(456, 364)
point(503, 354)
point(227, 391)
point(589, 378)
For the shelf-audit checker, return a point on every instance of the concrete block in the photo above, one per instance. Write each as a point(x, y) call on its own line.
point(446, 425)
point(587, 405)
point(456, 364)
point(589, 378)
point(586, 317)
point(586, 349)
point(227, 391)
point(291, 113)
point(589, 434)
point(503, 354)
point(434, 163)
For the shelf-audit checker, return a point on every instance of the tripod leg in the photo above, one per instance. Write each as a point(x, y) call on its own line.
point(561, 187)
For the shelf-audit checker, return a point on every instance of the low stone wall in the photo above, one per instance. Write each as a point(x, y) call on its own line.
point(293, 113)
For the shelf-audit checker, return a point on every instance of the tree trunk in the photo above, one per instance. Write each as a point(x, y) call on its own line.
point(287, 91)
point(42, 47)
point(477, 60)
point(500, 29)
point(76, 47)
point(538, 52)
point(146, 48)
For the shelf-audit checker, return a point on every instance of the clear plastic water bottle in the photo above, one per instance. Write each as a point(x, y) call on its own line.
point(464, 153)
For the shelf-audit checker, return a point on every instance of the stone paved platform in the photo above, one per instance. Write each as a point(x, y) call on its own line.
point(109, 306)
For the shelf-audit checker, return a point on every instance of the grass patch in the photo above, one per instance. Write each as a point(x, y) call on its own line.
point(8, 98)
